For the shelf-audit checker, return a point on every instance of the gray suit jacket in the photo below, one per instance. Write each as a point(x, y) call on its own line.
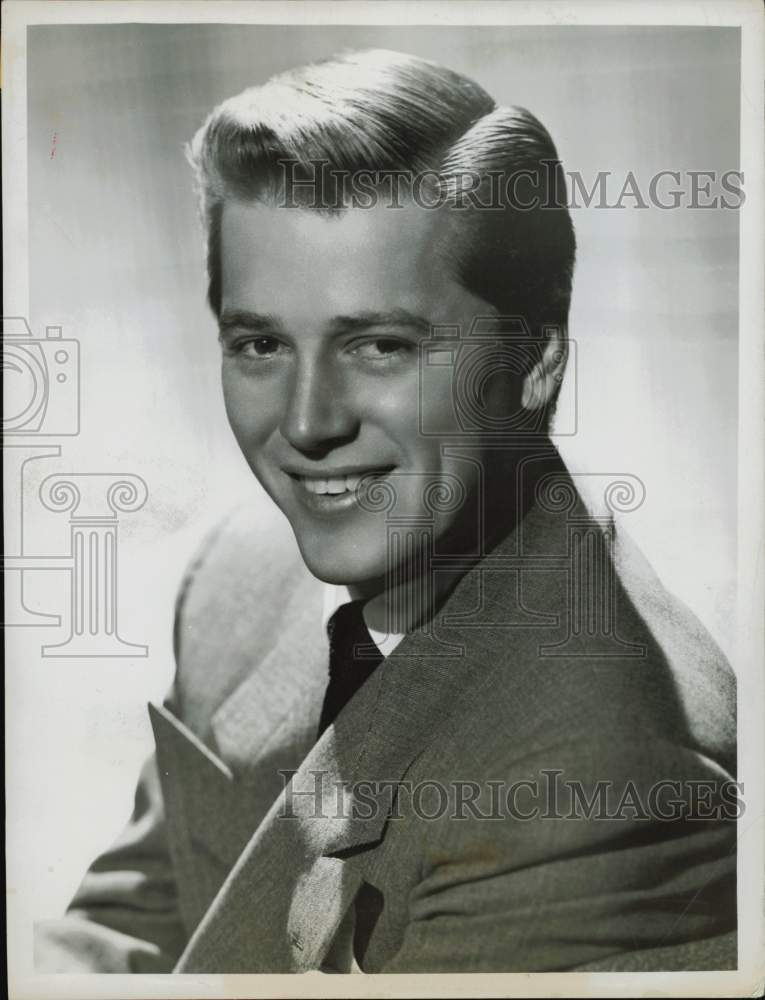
point(538, 672)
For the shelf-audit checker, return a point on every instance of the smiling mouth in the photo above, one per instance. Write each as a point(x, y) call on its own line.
point(330, 490)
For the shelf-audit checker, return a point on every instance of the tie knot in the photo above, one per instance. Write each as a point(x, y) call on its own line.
point(349, 638)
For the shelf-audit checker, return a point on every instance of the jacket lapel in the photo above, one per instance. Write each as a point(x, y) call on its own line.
point(285, 898)
point(280, 906)
point(282, 903)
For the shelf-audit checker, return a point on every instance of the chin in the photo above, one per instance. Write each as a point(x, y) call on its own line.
point(333, 565)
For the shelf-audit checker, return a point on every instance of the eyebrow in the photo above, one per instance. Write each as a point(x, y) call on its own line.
point(245, 319)
point(357, 322)
point(393, 318)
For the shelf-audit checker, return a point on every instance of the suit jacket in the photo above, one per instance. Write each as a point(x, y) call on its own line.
point(254, 848)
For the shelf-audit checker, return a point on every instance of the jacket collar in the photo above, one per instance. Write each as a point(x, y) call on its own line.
point(292, 871)
point(396, 713)
point(284, 900)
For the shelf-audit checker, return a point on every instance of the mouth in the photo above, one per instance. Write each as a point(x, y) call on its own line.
point(335, 490)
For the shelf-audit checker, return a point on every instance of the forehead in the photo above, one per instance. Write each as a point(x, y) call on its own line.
point(296, 263)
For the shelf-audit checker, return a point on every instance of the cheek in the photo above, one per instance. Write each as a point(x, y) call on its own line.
point(253, 408)
point(502, 393)
point(390, 408)
point(436, 402)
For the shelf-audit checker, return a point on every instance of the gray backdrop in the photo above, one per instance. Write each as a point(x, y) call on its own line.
point(116, 260)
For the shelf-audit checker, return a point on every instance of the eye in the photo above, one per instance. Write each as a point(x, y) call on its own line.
point(382, 349)
point(260, 348)
point(255, 352)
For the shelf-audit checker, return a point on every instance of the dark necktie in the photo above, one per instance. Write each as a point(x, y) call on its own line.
point(352, 659)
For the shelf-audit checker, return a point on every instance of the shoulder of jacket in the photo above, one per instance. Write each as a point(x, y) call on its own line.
point(703, 678)
point(252, 547)
point(671, 691)
point(228, 605)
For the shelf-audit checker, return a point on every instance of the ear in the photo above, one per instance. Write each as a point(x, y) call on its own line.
point(542, 384)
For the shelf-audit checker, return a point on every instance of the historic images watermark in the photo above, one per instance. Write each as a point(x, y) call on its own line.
point(457, 366)
point(551, 795)
point(495, 346)
point(41, 377)
point(315, 184)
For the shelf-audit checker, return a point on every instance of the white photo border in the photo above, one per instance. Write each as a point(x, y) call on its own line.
point(749, 978)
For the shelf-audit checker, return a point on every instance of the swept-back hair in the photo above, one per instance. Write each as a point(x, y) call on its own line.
point(384, 112)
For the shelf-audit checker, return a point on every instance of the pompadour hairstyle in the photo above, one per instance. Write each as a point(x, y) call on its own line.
point(385, 112)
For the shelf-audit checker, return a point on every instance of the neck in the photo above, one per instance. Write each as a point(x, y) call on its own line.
point(412, 591)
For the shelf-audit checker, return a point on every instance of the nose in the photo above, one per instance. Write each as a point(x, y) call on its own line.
point(318, 414)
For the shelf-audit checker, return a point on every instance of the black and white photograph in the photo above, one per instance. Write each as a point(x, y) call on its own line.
point(383, 504)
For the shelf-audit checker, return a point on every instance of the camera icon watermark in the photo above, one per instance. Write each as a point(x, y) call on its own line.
point(462, 367)
point(41, 378)
point(41, 381)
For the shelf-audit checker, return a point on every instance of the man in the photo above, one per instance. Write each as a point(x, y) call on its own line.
point(516, 752)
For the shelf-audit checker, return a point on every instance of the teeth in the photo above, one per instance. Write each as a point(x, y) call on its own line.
point(336, 486)
point(315, 485)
